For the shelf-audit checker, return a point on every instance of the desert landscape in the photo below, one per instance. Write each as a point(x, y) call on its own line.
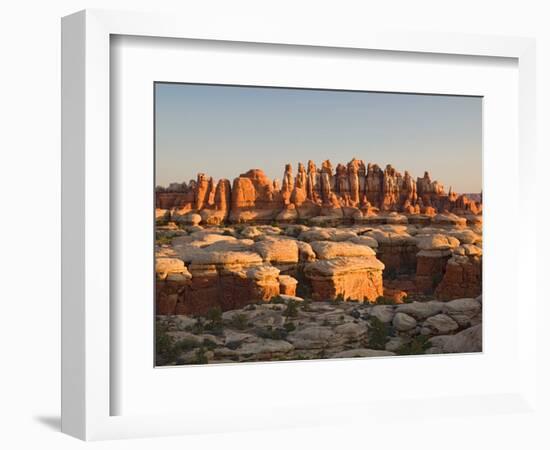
point(335, 261)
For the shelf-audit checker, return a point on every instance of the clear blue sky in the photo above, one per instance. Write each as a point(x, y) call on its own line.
point(225, 131)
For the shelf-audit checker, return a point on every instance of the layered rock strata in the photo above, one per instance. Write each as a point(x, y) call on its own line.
point(229, 267)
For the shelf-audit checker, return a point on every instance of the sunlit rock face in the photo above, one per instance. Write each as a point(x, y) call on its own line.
point(329, 193)
point(326, 232)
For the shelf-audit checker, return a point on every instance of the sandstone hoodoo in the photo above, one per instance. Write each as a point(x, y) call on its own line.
point(344, 193)
point(337, 260)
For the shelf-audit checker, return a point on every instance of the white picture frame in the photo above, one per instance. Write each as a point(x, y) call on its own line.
point(87, 384)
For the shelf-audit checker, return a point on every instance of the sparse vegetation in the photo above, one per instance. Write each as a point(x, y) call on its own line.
point(200, 356)
point(273, 333)
point(239, 321)
point(214, 314)
point(289, 326)
point(416, 346)
point(165, 350)
point(214, 322)
point(378, 334)
point(385, 301)
point(164, 238)
point(291, 309)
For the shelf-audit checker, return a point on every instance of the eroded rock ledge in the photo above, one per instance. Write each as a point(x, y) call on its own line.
point(199, 269)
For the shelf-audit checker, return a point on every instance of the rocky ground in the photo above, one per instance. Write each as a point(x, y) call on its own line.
point(289, 328)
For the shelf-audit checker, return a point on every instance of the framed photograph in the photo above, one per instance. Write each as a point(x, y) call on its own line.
point(289, 212)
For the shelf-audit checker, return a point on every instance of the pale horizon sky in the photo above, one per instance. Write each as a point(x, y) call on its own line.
point(224, 131)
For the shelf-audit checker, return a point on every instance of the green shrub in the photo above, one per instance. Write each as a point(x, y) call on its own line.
point(291, 309)
point(277, 300)
point(164, 238)
point(378, 334)
point(416, 346)
point(239, 321)
point(200, 356)
point(197, 327)
point(233, 345)
point(209, 344)
point(165, 350)
point(214, 314)
point(186, 344)
point(276, 334)
point(385, 301)
point(289, 326)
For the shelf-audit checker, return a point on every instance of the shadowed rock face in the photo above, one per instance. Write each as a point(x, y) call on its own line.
point(348, 191)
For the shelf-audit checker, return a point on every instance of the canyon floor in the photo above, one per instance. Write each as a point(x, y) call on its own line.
point(395, 285)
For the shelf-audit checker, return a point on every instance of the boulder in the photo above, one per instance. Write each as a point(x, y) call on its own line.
point(462, 310)
point(403, 322)
point(358, 278)
point(421, 310)
point(277, 250)
point(439, 324)
point(384, 313)
point(466, 341)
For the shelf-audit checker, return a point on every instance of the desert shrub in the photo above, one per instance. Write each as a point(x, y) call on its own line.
point(233, 345)
point(214, 314)
point(277, 300)
point(164, 238)
point(416, 346)
point(215, 322)
point(291, 309)
point(378, 334)
point(165, 350)
point(197, 327)
point(276, 334)
point(239, 321)
point(209, 344)
point(186, 344)
point(289, 326)
point(385, 301)
point(200, 356)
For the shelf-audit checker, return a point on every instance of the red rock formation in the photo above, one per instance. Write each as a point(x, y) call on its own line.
point(462, 278)
point(357, 278)
point(351, 191)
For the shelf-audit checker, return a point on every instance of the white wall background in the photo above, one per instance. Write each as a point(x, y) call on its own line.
point(30, 237)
